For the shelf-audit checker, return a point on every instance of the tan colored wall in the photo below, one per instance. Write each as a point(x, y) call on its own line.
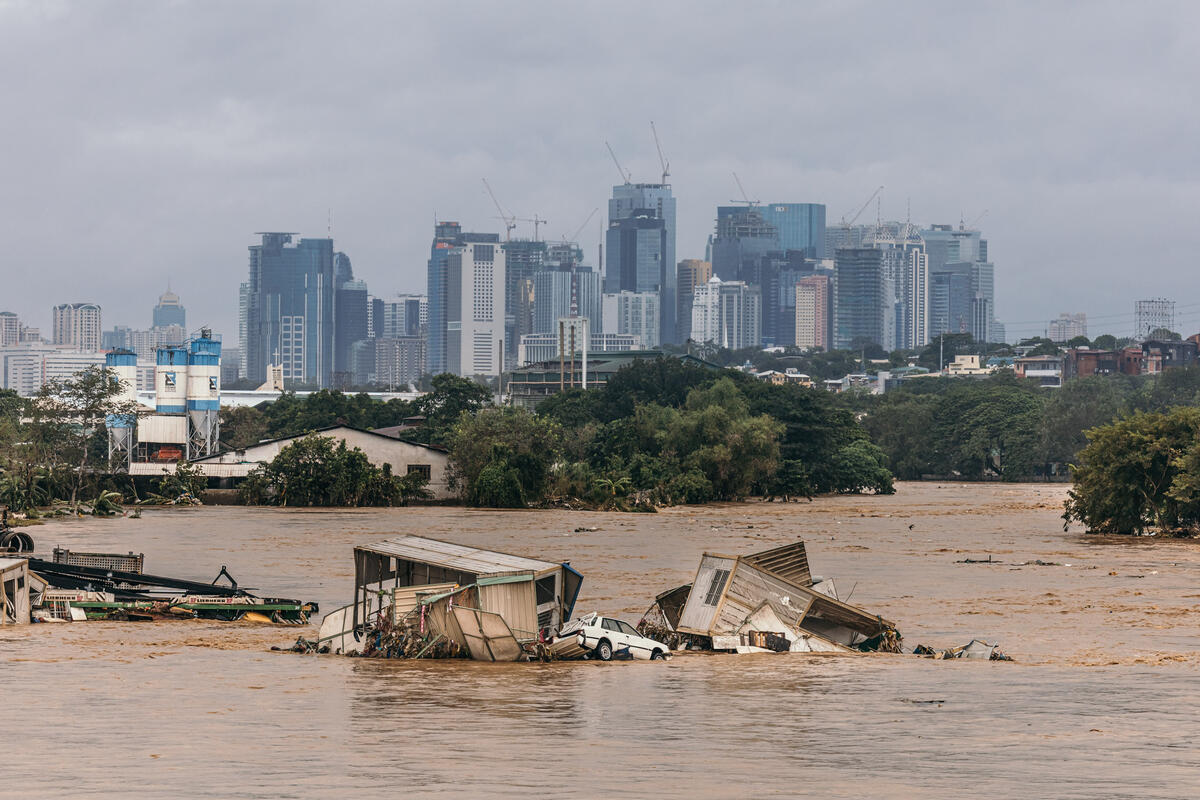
point(379, 450)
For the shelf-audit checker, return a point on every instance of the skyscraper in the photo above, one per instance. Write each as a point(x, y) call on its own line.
point(169, 311)
point(290, 309)
point(522, 258)
point(350, 326)
point(10, 328)
point(243, 327)
point(571, 292)
point(801, 226)
point(948, 248)
point(692, 272)
point(743, 236)
point(445, 234)
point(634, 313)
point(1067, 327)
point(727, 314)
point(634, 263)
point(813, 312)
point(78, 325)
point(402, 315)
point(474, 305)
point(863, 301)
point(951, 300)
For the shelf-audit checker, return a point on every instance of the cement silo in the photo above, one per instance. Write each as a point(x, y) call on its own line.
point(204, 394)
point(121, 426)
point(170, 381)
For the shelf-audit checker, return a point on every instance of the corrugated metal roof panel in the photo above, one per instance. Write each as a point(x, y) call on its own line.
point(789, 562)
point(455, 556)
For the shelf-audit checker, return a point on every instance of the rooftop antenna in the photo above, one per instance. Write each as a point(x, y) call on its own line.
point(329, 224)
point(510, 221)
point(666, 165)
point(625, 176)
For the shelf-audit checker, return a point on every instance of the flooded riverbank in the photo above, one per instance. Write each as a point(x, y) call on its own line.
point(1101, 698)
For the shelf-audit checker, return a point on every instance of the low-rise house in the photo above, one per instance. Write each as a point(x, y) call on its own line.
point(1081, 362)
point(1046, 370)
point(1163, 354)
point(967, 365)
point(403, 457)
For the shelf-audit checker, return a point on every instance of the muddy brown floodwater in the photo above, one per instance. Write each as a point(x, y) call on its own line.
point(1102, 701)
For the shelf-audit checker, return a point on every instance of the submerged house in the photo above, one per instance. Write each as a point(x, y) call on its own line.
point(14, 591)
point(773, 591)
point(533, 597)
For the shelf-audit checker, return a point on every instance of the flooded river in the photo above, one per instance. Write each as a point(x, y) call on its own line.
point(1102, 700)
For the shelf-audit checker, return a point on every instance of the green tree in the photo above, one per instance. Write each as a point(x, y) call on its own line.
point(514, 444)
point(1105, 341)
point(1126, 481)
point(314, 471)
point(242, 426)
point(449, 398)
point(68, 414)
point(1077, 406)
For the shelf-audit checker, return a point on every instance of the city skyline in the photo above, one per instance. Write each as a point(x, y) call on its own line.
point(116, 177)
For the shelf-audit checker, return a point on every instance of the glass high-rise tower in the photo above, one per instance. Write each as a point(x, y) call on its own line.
point(640, 246)
point(290, 309)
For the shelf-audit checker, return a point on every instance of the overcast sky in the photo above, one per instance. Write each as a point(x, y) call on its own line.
point(147, 140)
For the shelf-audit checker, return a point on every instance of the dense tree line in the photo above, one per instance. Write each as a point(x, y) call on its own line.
point(663, 432)
point(1001, 426)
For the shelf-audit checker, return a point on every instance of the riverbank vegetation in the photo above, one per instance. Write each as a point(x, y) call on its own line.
point(1140, 474)
point(658, 433)
point(314, 471)
point(53, 446)
point(1001, 427)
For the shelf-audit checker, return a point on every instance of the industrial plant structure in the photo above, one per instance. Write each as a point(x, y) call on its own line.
point(185, 423)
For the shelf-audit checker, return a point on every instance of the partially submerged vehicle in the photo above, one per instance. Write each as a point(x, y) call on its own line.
point(605, 638)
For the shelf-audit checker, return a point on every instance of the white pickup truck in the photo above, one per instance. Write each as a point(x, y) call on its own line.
point(605, 638)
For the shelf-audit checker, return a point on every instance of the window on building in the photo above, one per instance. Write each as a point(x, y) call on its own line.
point(423, 469)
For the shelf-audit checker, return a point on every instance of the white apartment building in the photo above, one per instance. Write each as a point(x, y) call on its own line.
point(77, 325)
point(634, 313)
point(475, 308)
point(25, 368)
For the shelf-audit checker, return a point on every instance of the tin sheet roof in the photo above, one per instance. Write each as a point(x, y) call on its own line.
point(455, 556)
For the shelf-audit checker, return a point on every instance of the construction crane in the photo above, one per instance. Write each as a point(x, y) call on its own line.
point(510, 221)
point(745, 197)
point(536, 220)
point(625, 176)
point(971, 225)
point(575, 236)
point(666, 165)
point(847, 224)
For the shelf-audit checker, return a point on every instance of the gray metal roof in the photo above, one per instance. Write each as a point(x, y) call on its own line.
point(455, 556)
